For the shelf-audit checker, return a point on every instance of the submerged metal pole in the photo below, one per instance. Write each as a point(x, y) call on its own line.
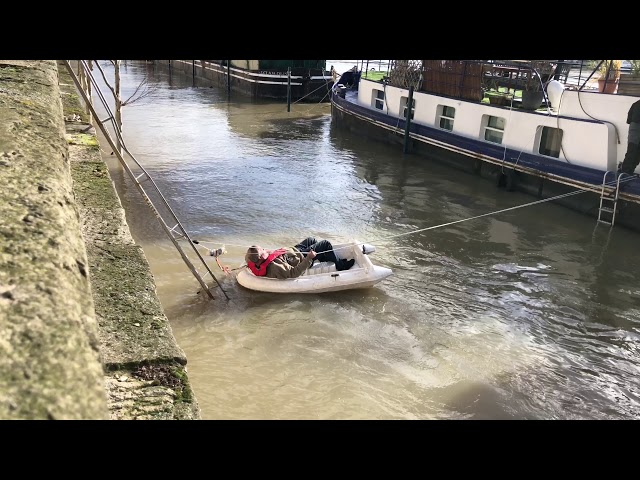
point(289, 89)
point(408, 120)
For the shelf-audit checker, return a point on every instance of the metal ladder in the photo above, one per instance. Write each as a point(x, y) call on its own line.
point(607, 214)
point(177, 231)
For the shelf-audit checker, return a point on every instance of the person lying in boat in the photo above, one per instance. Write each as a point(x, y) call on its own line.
point(292, 262)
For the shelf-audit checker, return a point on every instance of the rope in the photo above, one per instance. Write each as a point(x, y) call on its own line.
point(521, 151)
point(504, 162)
point(433, 227)
point(326, 84)
point(321, 102)
point(504, 152)
point(498, 211)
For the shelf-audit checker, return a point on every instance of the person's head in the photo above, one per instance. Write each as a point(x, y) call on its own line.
point(255, 254)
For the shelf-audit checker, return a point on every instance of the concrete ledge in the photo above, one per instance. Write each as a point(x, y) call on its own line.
point(82, 332)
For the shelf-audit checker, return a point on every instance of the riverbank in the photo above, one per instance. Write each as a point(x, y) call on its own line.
point(82, 332)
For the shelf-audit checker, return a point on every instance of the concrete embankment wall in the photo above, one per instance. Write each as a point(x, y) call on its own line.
point(82, 332)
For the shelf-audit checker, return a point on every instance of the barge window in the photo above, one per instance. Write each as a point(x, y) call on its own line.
point(404, 101)
point(494, 130)
point(379, 99)
point(446, 115)
point(550, 141)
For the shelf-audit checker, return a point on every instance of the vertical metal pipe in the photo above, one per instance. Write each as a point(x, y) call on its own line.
point(289, 89)
point(408, 120)
point(193, 71)
point(229, 78)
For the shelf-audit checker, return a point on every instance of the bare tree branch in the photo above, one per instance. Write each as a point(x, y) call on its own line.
point(142, 90)
point(104, 77)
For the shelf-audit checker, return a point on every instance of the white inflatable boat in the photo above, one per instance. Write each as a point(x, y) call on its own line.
point(323, 276)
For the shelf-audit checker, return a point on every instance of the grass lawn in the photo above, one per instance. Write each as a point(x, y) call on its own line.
point(374, 75)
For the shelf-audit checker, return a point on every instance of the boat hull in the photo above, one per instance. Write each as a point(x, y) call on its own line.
point(364, 274)
point(540, 176)
point(305, 85)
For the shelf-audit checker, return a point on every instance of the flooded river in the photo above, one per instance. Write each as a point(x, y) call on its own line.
point(531, 313)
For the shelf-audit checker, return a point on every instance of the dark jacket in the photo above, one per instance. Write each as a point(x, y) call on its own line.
point(634, 113)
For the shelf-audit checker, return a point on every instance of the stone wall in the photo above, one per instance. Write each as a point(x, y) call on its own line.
point(82, 332)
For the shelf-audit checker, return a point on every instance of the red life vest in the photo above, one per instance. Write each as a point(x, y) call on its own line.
point(261, 271)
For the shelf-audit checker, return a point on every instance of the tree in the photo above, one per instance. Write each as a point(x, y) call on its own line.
point(142, 90)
